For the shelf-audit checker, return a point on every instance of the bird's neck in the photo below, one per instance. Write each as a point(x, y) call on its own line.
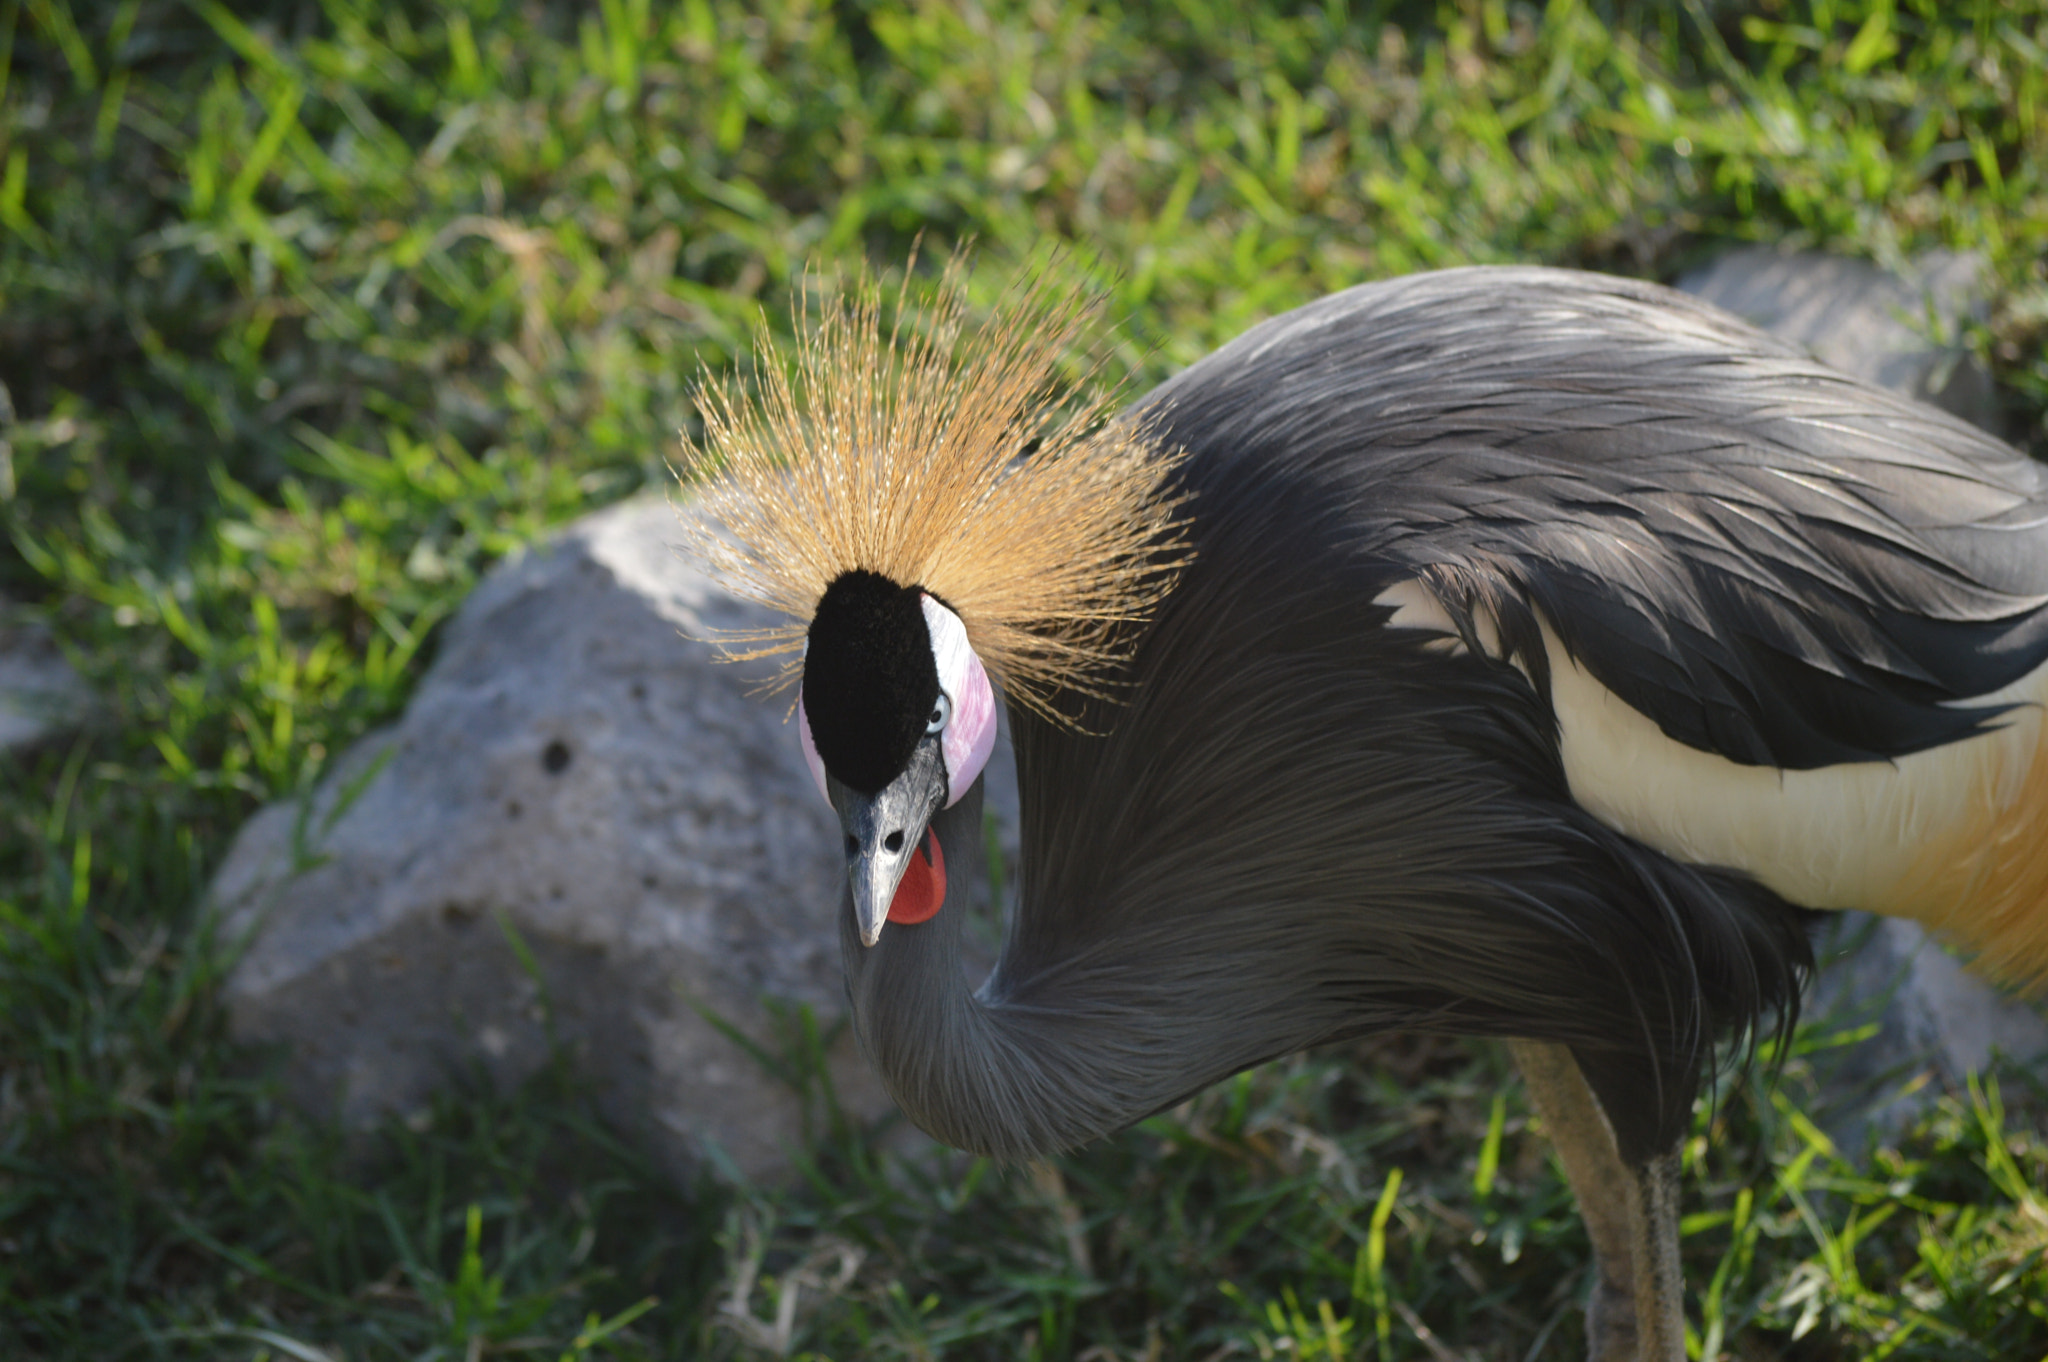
point(1040, 1059)
point(988, 1072)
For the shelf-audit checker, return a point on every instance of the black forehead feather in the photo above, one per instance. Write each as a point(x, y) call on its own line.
point(869, 678)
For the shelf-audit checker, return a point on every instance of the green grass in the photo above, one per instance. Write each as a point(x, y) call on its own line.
point(314, 310)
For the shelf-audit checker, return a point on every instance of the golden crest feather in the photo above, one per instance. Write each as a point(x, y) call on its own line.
point(940, 452)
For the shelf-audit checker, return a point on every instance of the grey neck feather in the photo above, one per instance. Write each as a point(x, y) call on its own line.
point(1103, 1011)
point(989, 1074)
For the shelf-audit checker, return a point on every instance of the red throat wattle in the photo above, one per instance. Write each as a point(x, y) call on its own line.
point(923, 887)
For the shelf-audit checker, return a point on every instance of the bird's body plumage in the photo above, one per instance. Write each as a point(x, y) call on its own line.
point(1545, 646)
point(1786, 623)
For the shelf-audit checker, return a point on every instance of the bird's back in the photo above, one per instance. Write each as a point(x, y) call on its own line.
point(1782, 622)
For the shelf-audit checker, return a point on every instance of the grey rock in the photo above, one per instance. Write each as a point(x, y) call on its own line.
point(1933, 1023)
point(1904, 332)
point(575, 781)
point(42, 697)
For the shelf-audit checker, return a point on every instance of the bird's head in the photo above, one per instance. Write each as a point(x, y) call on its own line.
point(934, 509)
point(897, 719)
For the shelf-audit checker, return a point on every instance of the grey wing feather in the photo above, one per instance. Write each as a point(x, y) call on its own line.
point(1772, 560)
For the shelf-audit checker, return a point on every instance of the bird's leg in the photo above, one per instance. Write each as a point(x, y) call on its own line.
point(1631, 1215)
point(1660, 1289)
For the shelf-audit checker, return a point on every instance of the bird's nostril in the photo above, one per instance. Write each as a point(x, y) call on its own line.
point(894, 841)
point(852, 846)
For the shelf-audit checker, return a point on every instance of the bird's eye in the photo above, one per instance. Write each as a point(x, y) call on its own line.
point(942, 710)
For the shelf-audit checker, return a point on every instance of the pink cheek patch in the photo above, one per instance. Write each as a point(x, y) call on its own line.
point(971, 732)
point(811, 757)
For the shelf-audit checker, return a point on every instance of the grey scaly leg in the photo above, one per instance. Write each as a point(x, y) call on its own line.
point(1660, 1287)
point(1631, 1215)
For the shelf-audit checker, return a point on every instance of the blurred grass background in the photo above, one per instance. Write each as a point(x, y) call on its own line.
point(314, 309)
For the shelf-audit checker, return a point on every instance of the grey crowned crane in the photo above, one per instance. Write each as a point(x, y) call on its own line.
point(1504, 652)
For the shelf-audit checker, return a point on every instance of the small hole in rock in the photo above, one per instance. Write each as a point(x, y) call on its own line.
point(554, 758)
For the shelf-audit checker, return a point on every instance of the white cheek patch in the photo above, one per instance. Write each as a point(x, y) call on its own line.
point(811, 757)
point(971, 731)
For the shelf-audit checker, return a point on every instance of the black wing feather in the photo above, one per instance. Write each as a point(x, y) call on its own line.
point(1771, 560)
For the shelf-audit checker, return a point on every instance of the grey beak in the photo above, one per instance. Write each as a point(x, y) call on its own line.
point(884, 830)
